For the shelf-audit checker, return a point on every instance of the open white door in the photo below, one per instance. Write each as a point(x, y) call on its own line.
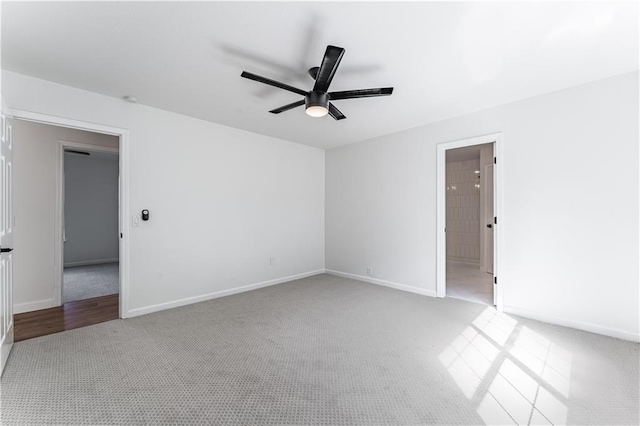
point(492, 187)
point(6, 240)
point(488, 214)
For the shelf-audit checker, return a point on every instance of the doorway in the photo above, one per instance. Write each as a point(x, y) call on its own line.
point(42, 156)
point(90, 221)
point(468, 205)
point(469, 223)
point(123, 187)
point(51, 315)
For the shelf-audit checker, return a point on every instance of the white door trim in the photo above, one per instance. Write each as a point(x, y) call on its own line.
point(441, 214)
point(58, 250)
point(123, 135)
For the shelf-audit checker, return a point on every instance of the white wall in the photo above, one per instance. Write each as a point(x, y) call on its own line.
point(90, 208)
point(222, 201)
point(571, 213)
point(35, 165)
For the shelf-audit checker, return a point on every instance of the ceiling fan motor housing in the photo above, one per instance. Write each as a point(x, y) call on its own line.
point(316, 99)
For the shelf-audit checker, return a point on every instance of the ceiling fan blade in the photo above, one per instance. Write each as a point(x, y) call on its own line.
point(287, 107)
point(361, 93)
point(270, 82)
point(328, 67)
point(335, 112)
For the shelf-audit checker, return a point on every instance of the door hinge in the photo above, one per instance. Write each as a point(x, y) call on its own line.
point(121, 235)
point(495, 161)
point(495, 280)
point(495, 220)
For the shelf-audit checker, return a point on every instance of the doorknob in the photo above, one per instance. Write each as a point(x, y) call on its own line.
point(6, 250)
point(489, 225)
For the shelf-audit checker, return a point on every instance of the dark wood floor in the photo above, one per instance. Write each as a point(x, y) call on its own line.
point(66, 317)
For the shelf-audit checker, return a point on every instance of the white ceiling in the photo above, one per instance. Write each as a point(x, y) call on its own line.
point(444, 59)
point(463, 154)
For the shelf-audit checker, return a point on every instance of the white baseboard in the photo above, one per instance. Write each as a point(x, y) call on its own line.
point(391, 284)
point(90, 262)
point(189, 300)
point(475, 262)
point(593, 328)
point(19, 308)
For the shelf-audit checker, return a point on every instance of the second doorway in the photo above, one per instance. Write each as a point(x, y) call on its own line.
point(90, 226)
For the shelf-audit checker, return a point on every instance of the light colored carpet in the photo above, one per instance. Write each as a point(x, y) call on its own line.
point(85, 282)
point(322, 350)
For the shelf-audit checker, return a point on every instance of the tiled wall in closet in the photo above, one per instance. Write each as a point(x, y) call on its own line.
point(463, 210)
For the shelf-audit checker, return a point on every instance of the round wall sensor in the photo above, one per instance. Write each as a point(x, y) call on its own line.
point(131, 99)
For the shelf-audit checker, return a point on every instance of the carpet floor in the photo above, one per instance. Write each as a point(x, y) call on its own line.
point(85, 282)
point(322, 350)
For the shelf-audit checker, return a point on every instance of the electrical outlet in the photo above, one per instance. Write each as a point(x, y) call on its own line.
point(370, 272)
point(272, 261)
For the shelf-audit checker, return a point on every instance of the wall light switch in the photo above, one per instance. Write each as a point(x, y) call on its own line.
point(135, 221)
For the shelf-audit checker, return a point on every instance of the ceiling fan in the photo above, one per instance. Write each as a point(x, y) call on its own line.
point(317, 101)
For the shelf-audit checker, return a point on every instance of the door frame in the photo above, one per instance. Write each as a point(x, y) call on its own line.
point(123, 196)
point(441, 213)
point(58, 251)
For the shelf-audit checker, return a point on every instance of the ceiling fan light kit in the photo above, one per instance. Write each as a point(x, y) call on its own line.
point(316, 104)
point(317, 101)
